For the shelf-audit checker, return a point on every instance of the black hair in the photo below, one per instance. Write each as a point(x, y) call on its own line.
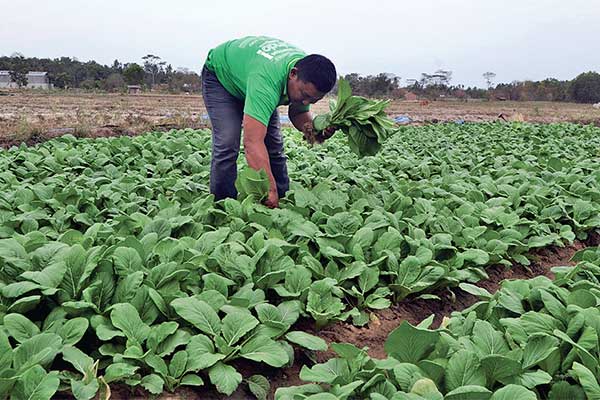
point(318, 70)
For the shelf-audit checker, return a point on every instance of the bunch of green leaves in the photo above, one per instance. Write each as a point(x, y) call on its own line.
point(363, 120)
point(252, 183)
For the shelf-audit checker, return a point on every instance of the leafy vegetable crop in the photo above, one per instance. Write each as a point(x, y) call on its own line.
point(533, 339)
point(117, 267)
point(363, 120)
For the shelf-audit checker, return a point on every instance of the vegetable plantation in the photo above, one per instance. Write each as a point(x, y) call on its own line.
point(117, 268)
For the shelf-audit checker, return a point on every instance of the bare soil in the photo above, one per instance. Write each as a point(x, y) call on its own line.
point(33, 116)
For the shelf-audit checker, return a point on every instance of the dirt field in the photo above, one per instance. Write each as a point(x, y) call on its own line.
point(36, 116)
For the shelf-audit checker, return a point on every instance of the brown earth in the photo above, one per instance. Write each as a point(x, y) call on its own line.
point(33, 116)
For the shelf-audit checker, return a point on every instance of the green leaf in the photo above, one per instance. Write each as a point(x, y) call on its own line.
point(83, 391)
point(119, 371)
point(236, 325)
point(368, 279)
point(307, 340)
point(73, 330)
point(328, 372)
point(125, 317)
point(49, 277)
point(512, 392)
point(39, 349)
point(81, 361)
point(199, 314)
point(587, 380)
point(264, 349)
point(76, 261)
point(153, 383)
point(17, 289)
point(128, 287)
point(487, 340)
point(252, 183)
point(476, 256)
point(36, 384)
point(178, 364)
point(201, 353)
point(475, 290)
point(224, 377)
point(464, 369)
point(469, 392)
point(6, 353)
point(498, 367)
point(290, 393)
point(166, 347)
point(537, 349)
point(259, 386)
point(157, 364)
point(409, 344)
point(563, 390)
point(158, 333)
point(24, 304)
point(192, 380)
point(583, 298)
point(19, 327)
point(529, 379)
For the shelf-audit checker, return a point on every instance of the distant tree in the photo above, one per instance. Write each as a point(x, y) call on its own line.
point(489, 79)
point(185, 81)
point(134, 74)
point(18, 70)
point(153, 66)
point(353, 80)
point(586, 88)
point(442, 77)
point(61, 80)
point(89, 84)
point(117, 67)
point(114, 82)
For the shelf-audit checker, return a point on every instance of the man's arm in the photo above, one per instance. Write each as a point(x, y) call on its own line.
point(257, 155)
point(301, 119)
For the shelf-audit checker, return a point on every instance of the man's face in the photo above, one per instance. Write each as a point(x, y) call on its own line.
point(301, 92)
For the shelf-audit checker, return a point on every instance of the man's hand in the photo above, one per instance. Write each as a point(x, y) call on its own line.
point(312, 136)
point(257, 155)
point(328, 132)
point(273, 200)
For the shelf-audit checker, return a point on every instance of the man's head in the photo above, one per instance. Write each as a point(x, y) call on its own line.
point(311, 78)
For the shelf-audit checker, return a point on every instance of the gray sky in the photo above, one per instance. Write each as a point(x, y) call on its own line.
point(517, 40)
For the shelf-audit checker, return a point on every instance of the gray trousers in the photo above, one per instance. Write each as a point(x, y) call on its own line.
point(226, 113)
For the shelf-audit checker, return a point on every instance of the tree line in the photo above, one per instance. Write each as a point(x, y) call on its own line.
point(585, 88)
point(154, 73)
point(70, 73)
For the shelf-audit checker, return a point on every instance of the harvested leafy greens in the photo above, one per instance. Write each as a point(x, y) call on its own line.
point(364, 121)
point(252, 183)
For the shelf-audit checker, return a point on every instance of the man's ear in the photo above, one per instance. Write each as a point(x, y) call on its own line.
point(293, 73)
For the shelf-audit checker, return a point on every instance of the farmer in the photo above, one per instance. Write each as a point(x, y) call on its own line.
point(243, 82)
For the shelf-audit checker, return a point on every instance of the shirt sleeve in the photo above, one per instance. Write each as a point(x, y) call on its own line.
point(262, 98)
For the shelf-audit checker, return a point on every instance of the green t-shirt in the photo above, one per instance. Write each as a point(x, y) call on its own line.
point(255, 69)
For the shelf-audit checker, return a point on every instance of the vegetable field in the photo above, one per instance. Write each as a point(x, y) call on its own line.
point(119, 272)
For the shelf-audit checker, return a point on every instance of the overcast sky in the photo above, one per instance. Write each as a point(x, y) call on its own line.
point(516, 39)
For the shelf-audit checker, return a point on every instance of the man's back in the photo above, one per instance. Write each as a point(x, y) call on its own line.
point(236, 60)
